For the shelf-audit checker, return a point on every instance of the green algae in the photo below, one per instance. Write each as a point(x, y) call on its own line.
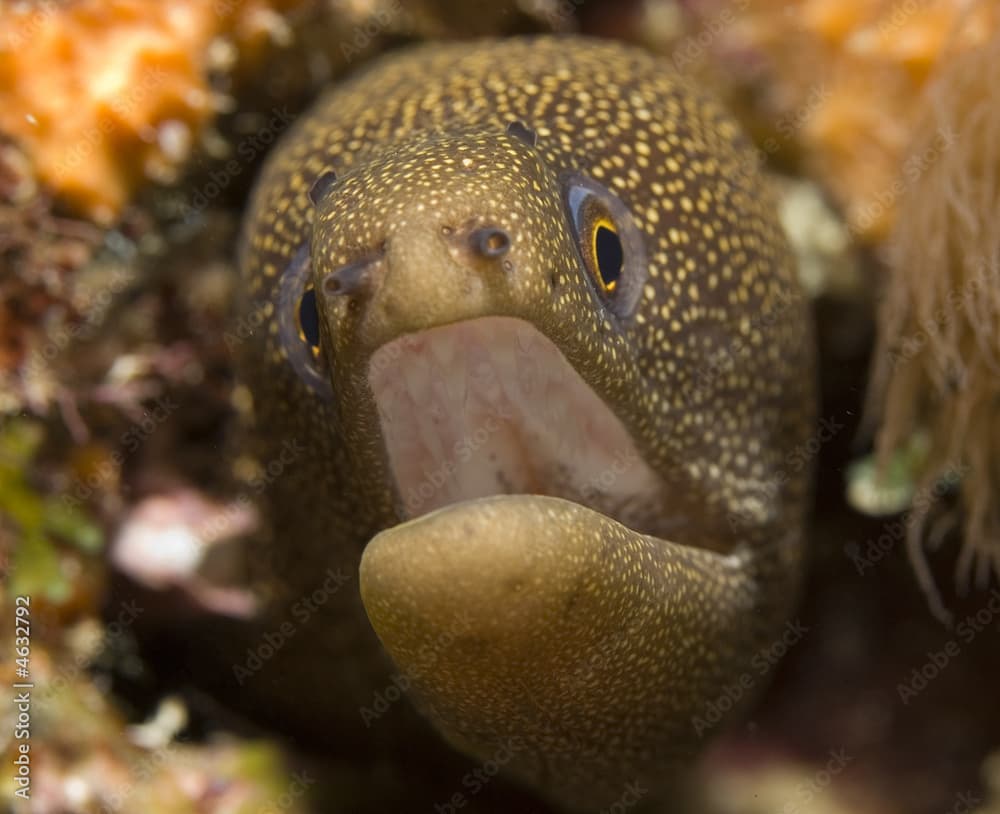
point(37, 522)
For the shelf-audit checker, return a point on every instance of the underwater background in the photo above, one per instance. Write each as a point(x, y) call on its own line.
point(130, 137)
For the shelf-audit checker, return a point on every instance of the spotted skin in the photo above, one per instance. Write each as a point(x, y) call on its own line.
point(594, 643)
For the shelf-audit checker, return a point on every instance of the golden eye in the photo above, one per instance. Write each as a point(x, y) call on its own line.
point(308, 321)
point(610, 245)
point(607, 253)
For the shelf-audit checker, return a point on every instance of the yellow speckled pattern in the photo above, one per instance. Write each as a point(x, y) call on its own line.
point(594, 643)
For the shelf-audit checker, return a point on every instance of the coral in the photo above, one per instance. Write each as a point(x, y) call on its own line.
point(937, 364)
point(38, 252)
point(166, 540)
point(49, 553)
point(827, 261)
point(100, 764)
point(837, 84)
point(104, 94)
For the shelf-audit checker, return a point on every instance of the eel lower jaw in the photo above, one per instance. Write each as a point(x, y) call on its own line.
point(533, 600)
point(490, 406)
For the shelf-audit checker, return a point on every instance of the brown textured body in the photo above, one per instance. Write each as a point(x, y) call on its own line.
point(594, 642)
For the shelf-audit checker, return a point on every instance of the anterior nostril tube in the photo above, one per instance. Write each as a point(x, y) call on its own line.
point(321, 186)
point(351, 279)
point(491, 242)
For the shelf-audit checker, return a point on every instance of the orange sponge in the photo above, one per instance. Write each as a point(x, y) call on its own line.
point(104, 94)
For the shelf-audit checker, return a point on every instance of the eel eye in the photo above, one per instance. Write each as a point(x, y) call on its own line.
point(609, 243)
point(608, 254)
point(309, 320)
point(298, 324)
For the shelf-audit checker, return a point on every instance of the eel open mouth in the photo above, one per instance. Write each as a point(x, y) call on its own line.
point(491, 406)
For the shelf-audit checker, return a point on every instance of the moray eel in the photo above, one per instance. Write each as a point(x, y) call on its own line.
point(526, 310)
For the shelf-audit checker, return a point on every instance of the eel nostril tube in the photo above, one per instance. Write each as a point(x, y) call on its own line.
point(490, 241)
point(350, 279)
point(321, 186)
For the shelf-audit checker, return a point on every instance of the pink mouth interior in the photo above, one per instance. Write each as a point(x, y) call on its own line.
point(491, 406)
